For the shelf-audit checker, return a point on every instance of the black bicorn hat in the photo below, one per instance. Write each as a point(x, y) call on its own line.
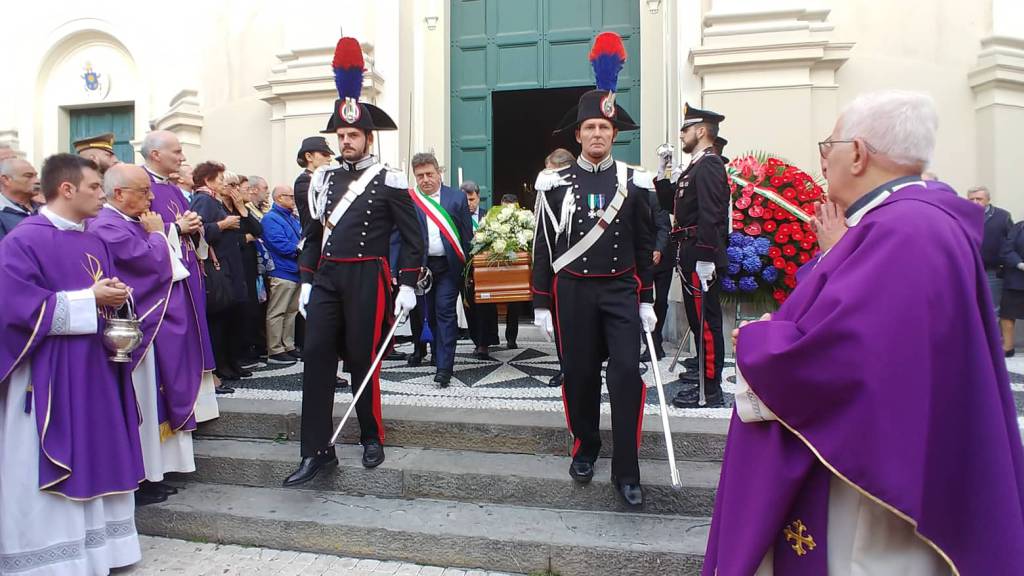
point(693, 116)
point(348, 78)
point(607, 56)
point(314, 144)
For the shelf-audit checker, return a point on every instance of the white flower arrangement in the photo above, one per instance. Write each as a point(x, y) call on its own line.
point(505, 231)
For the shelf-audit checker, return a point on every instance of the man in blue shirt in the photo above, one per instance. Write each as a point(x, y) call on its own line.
point(281, 234)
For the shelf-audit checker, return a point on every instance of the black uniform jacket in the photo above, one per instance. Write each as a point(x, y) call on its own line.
point(701, 209)
point(625, 248)
point(364, 232)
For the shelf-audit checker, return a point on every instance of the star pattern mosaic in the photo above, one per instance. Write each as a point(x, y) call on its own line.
point(510, 379)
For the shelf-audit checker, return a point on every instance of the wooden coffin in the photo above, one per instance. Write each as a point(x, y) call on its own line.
point(504, 282)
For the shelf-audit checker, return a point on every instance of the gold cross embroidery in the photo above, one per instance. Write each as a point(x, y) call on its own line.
point(802, 541)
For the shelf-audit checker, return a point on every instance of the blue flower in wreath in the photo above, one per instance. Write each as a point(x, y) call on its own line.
point(747, 284)
point(761, 246)
point(734, 268)
point(735, 253)
point(92, 78)
point(728, 285)
point(738, 239)
point(751, 264)
point(749, 252)
point(770, 274)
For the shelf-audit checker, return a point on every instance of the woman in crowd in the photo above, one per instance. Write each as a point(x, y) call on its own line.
point(226, 221)
point(1011, 307)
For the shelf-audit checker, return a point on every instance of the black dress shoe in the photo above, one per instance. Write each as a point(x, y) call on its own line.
point(556, 380)
point(443, 377)
point(396, 356)
point(691, 399)
point(1010, 353)
point(632, 494)
point(243, 373)
point(691, 363)
point(482, 353)
point(581, 471)
point(415, 359)
point(149, 497)
point(282, 359)
point(224, 389)
point(689, 376)
point(340, 382)
point(310, 467)
point(373, 454)
point(297, 354)
point(163, 488)
point(512, 345)
point(225, 375)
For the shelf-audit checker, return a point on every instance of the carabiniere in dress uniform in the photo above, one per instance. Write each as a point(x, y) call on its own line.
point(346, 280)
point(592, 271)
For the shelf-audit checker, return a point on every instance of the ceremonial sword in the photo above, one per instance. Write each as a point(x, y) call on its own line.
point(669, 446)
point(369, 374)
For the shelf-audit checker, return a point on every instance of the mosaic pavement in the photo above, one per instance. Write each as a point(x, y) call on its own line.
point(512, 379)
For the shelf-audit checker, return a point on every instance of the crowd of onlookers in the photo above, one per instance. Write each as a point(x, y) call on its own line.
point(1002, 251)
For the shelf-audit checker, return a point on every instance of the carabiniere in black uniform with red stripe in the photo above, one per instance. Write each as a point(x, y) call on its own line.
point(346, 281)
point(700, 198)
point(592, 269)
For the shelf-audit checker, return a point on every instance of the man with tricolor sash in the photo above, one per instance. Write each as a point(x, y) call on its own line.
point(346, 294)
point(447, 231)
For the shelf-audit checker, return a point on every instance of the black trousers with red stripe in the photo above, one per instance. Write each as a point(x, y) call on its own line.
point(599, 319)
point(710, 329)
point(348, 315)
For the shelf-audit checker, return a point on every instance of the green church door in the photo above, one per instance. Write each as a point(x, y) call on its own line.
point(515, 47)
point(92, 121)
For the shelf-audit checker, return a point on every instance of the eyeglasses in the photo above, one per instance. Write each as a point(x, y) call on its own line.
point(145, 190)
point(825, 146)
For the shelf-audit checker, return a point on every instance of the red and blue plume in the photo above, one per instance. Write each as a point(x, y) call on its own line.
point(348, 68)
point(607, 57)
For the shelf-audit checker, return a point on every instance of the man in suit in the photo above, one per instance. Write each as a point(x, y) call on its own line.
point(482, 318)
point(997, 227)
point(447, 229)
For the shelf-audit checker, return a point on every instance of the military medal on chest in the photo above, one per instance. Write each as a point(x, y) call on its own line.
point(596, 204)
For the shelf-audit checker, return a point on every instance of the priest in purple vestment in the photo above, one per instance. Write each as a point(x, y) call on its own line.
point(163, 155)
point(144, 259)
point(875, 431)
point(69, 424)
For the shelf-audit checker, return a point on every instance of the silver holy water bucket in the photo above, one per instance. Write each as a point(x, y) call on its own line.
point(123, 335)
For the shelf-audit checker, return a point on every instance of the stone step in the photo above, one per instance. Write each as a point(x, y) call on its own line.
point(521, 479)
point(484, 536)
point(469, 429)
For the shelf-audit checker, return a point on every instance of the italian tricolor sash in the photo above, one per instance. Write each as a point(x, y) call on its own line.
point(439, 216)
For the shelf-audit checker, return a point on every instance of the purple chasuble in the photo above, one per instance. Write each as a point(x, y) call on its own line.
point(885, 369)
point(143, 262)
point(84, 404)
point(170, 203)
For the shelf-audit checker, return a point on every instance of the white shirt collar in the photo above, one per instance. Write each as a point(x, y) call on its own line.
point(156, 176)
point(591, 167)
point(110, 206)
point(60, 222)
point(873, 199)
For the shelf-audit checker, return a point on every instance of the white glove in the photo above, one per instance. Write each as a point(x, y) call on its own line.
point(304, 291)
point(542, 318)
point(664, 164)
point(648, 319)
point(404, 302)
point(705, 271)
point(1020, 266)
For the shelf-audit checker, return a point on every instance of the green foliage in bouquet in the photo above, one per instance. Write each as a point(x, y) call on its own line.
point(505, 230)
